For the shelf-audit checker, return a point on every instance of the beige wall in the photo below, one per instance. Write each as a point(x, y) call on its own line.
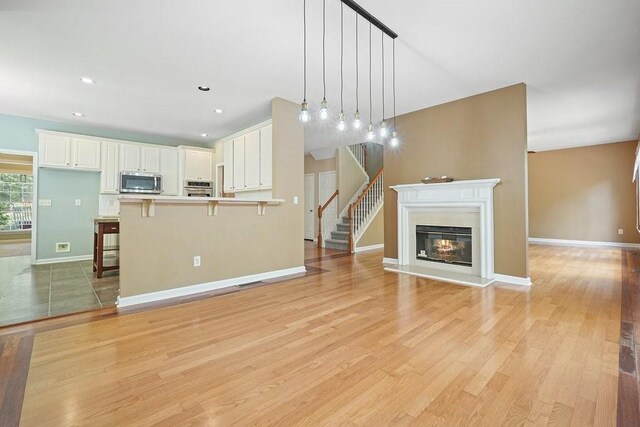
point(313, 166)
point(374, 234)
point(484, 136)
point(157, 253)
point(350, 177)
point(584, 193)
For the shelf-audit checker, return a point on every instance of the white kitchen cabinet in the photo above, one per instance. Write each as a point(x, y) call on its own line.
point(130, 157)
point(266, 157)
point(238, 164)
point(55, 151)
point(228, 166)
point(139, 158)
point(169, 171)
point(252, 160)
point(110, 176)
point(150, 159)
point(248, 160)
point(59, 151)
point(198, 165)
point(85, 153)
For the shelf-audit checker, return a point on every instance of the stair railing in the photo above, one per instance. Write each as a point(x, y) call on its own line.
point(361, 209)
point(321, 209)
point(359, 151)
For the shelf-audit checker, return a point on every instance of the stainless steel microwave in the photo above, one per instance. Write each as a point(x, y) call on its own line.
point(140, 183)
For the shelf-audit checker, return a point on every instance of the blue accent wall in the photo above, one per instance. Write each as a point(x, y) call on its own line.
point(63, 221)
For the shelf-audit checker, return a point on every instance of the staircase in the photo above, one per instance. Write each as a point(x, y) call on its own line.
point(358, 214)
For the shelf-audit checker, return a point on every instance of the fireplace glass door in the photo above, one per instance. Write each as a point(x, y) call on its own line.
point(451, 245)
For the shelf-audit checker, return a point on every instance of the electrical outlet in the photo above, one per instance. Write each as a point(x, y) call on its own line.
point(63, 247)
point(295, 200)
point(620, 231)
point(44, 202)
point(78, 202)
point(196, 261)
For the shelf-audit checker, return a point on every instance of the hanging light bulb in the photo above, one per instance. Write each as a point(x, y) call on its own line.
point(394, 139)
point(324, 111)
point(357, 123)
point(342, 125)
point(384, 130)
point(304, 116)
point(371, 135)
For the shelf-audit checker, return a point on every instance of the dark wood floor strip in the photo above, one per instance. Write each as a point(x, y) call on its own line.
point(14, 368)
point(628, 381)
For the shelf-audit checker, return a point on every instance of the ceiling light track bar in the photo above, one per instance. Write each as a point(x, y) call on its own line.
point(369, 17)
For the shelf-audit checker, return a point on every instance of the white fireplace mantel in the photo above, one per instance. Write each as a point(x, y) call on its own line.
point(476, 195)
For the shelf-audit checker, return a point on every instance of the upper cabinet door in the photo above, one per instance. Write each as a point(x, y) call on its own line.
point(191, 165)
point(129, 158)
point(252, 160)
point(150, 159)
point(266, 157)
point(86, 153)
point(55, 151)
point(238, 164)
point(206, 165)
point(169, 171)
point(110, 176)
point(228, 167)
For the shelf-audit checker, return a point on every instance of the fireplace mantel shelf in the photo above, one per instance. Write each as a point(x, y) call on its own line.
point(472, 183)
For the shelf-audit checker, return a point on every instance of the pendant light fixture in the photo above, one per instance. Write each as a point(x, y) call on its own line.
point(357, 123)
point(324, 110)
point(371, 135)
point(342, 125)
point(323, 114)
point(394, 135)
point(304, 116)
point(384, 131)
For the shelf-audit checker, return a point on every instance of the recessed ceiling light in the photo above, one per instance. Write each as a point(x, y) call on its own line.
point(87, 80)
point(204, 88)
point(217, 111)
point(78, 114)
point(204, 135)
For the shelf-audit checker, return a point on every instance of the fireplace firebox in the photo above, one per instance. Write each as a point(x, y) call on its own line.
point(451, 245)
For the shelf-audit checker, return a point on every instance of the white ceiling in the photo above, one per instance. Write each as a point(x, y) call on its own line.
point(579, 58)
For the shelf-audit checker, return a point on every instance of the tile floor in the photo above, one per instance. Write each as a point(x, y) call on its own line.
point(33, 292)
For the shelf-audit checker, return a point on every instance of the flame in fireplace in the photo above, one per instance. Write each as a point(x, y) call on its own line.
point(446, 247)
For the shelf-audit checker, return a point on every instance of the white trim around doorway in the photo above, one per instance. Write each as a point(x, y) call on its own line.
point(34, 201)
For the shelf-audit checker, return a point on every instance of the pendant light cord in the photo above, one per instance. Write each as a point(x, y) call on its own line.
point(341, 57)
point(357, 72)
point(304, 50)
point(382, 40)
point(394, 84)
point(324, 73)
point(370, 91)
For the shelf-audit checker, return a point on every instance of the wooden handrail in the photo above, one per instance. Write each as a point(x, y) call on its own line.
point(353, 206)
point(321, 209)
point(373, 181)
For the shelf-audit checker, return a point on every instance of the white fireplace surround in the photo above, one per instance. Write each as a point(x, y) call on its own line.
point(472, 196)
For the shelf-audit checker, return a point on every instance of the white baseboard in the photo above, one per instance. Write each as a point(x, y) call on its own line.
point(368, 248)
point(391, 261)
point(590, 243)
point(63, 259)
point(204, 287)
point(513, 280)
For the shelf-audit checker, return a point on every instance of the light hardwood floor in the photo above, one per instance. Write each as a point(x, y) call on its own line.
point(352, 345)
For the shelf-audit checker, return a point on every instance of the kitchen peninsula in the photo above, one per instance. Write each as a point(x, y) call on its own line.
point(176, 246)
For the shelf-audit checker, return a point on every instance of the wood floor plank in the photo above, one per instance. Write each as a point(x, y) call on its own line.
point(349, 345)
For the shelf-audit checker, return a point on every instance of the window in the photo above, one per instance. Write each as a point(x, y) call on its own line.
point(16, 194)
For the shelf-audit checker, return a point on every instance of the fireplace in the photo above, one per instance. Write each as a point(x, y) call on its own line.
point(450, 245)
